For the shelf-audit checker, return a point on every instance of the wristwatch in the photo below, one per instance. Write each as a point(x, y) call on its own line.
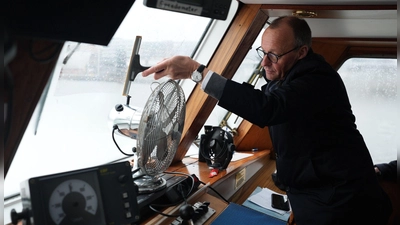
point(197, 75)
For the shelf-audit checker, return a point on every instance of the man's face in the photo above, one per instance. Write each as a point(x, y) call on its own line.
point(279, 41)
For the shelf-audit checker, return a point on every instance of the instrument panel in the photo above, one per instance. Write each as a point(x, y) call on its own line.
point(94, 196)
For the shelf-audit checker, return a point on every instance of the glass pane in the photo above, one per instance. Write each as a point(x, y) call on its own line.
point(246, 69)
point(372, 88)
point(71, 129)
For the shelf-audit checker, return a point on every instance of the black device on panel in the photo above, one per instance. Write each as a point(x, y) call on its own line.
point(279, 202)
point(85, 21)
point(216, 147)
point(92, 196)
point(206, 8)
point(171, 195)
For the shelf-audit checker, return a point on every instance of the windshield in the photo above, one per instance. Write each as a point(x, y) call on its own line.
point(71, 127)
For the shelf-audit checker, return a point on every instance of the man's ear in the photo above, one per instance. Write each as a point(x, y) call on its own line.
point(303, 51)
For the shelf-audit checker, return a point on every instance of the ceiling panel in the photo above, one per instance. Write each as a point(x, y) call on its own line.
point(343, 19)
point(323, 2)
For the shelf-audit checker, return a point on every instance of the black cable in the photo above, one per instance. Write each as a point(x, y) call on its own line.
point(151, 206)
point(184, 174)
point(184, 196)
point(112, 134)
point(135, 170)
point(163, 214)
point(180, 188)
point(216, 192)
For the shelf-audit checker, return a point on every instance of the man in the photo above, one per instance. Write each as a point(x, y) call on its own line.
point(322, 159)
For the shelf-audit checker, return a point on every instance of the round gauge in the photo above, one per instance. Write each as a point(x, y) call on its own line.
point(73, 200)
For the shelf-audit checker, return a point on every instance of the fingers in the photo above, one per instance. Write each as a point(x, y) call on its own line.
point(176, 67)
point(151, 70)
point(160, 67)
point(159, 74)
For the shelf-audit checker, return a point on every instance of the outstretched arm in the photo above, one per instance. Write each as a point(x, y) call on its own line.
point(182, 67)
point(176, 67)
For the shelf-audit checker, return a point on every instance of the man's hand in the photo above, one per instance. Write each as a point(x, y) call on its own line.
point(176, 67)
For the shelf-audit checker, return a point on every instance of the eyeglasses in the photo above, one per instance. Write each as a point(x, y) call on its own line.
point(271, 56)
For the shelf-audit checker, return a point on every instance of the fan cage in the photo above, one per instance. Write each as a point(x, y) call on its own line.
point(160, 128)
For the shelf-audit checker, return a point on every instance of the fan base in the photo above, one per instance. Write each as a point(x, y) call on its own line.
point(149, 184)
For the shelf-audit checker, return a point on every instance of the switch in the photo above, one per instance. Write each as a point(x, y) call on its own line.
point(122, 178)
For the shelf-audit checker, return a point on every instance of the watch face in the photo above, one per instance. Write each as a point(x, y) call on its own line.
point(196, 76)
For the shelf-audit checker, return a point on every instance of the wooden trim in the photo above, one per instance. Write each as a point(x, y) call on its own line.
point(251, 136)
point(376, 42)
point(240, 36)
point(202, 171)
point(262, 179)
point(364, 52)
point(330, 7)
point(331, 51)
point(30, 78)
point(379, 52)
point(337, 51)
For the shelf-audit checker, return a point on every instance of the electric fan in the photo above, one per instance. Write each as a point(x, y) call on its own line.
point(160, 131)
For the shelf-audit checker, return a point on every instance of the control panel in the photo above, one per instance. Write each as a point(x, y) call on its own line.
point(94, 196)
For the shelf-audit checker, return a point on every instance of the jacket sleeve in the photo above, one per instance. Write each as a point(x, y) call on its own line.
point(311, 92)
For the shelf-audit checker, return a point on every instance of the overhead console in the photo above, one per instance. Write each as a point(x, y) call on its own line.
point(92, 22)
point(206, 8)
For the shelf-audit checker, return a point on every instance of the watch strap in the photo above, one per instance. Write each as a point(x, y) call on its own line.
point(201, 68)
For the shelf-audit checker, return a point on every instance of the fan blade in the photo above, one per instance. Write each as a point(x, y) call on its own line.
point(161, 151)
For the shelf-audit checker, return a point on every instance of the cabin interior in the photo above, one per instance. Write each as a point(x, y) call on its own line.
point(341, 30)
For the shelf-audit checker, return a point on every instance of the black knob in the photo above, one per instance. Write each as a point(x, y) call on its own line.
point(119, 107)
point(186, 211)
point(122, 178)
point(15, 217)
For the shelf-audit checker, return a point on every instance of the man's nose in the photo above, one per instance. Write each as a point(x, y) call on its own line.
point(265, 61)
